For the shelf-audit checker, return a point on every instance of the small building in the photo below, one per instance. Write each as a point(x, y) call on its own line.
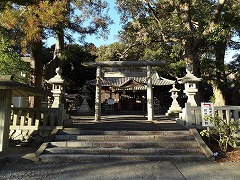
point(128, 94)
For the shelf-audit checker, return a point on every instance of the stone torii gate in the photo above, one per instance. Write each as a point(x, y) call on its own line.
point(99, 65)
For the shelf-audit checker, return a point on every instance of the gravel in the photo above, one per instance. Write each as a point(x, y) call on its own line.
point(30, 170)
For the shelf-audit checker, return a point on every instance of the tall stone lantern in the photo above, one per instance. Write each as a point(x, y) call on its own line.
point(58, 90)
point(174, 108)
point(84, 108)
point(190, 88)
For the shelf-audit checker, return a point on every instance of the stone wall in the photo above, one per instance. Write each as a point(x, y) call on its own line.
point(31, 138)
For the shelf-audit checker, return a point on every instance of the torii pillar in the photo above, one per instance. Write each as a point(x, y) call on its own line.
point(98, 94)
point(149, 95)
point(147, 64)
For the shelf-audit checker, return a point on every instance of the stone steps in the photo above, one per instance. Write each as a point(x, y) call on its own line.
point(125, 144)
point(117, 150)
point(104, 157)
point(73, 144)
point(76, 131)
point(68, 137)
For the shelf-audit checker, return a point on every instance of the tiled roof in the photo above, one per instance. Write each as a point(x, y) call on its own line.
point(139, 83)
point(19, 89)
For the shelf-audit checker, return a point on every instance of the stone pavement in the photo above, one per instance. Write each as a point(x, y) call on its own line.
point(27, 168)
point(112, 170)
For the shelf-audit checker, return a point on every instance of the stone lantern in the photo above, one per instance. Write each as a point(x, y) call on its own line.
point(58, 88)
point(174, 108)
point(84, 108)
point(190, 88)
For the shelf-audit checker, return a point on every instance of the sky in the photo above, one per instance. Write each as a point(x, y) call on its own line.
point(114, 28)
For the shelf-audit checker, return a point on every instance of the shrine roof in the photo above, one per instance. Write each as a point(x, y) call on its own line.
point(19, 89)
point(140, 82)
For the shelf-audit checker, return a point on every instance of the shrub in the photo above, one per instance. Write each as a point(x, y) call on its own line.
point(224, 133)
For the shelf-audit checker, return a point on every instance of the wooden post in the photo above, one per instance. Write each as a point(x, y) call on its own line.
point(149, 94)
point(5, 115)
point(98, 94)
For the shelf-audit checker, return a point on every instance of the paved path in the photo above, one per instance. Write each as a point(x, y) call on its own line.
point(121, 170)
point(126, 122)
point(113, 170)
point(116, 170)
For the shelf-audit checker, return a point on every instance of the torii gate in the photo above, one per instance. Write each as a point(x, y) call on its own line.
point(99, 65)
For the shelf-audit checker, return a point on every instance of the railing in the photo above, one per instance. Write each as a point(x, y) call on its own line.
point(36, 119)
point(191, 115)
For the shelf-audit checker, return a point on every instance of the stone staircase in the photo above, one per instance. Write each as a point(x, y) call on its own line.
point(76, 144)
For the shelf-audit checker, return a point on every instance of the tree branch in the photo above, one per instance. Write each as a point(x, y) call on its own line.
point(216, 17)
point(77, 28)
point(123, 55)
point(218, 10)
point(153, 12)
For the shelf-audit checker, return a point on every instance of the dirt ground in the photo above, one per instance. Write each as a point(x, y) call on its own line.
point(232, 155)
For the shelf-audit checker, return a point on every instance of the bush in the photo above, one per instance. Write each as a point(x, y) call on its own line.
point(224, 133)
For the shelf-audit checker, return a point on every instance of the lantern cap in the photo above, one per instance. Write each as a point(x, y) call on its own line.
point(189, 77)
point(57, 79)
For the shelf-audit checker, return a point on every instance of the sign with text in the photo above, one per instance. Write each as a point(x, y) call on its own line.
point(207, 109)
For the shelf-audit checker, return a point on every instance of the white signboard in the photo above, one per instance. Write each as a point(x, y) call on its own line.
point(207, 109)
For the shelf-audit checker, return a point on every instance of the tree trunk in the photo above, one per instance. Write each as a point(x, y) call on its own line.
point(221, 87)
point(191, 57)
point(59, 47)
point(219, 98)
point(36, 72)
point(56, 61)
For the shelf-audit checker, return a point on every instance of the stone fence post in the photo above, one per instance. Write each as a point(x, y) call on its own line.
point(5, 113)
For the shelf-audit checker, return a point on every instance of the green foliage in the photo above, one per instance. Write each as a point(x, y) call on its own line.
point(38, 20)
point(72, 59)
point(194, 32)
point(226, 132)
point(72, 65)
point(11, 63)
point(212, 99)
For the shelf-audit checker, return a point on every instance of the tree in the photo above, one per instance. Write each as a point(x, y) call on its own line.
point(181, 30)
point(111, 52)
point(10, 62)
point(93, 13)
point(72, 59)
point(21, 19)
point(36, 20)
